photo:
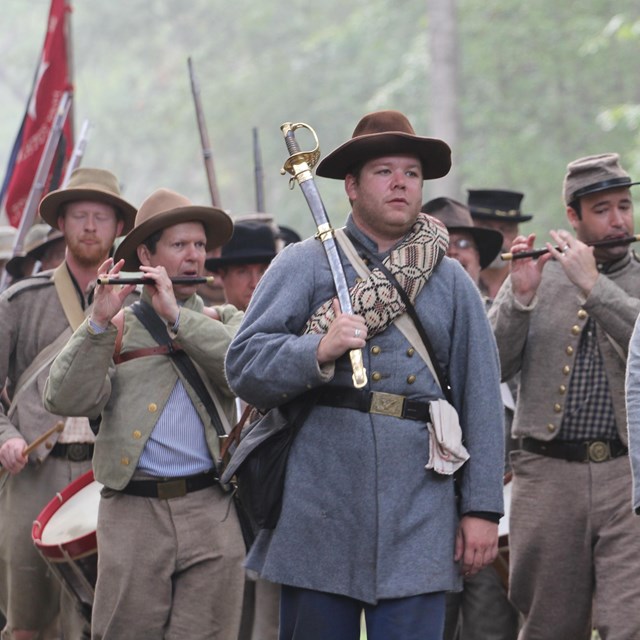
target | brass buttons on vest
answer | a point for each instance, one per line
(566, 370)
(562, 389)
(582, 314)
(557, 408)
(575, 330)
(137, 435)
(551, 428)
(375, 350)
(411, 379)
(376, 376)
(569, 350)
(410, 351)
(153, 407)
(124, 461)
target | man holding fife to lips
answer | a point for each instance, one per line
(169, 544)
(564, 322)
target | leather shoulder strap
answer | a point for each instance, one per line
(68, 296)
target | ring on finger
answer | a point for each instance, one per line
(356, 333)
(565, 248)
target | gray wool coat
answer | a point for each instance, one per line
(361, 516)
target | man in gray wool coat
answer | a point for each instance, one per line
(370, 519)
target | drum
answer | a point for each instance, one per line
(65, 535)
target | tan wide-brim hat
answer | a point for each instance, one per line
(164, 208)
(384, 133)
(96, 185)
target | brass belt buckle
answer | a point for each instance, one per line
(387, 404)
(172, 489)
(599, 451)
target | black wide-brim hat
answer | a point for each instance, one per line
(385, 133)
(251, 243)
(496, 204)
(456, 217)
(164, 208)
(96, 185)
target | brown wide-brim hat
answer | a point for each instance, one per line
(96, 185)
(456, 217)
(386, 133)
(164, 208)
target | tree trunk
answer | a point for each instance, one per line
(444, 117)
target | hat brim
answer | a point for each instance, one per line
(605, 185)
(434, 154)
(49, 208)
(488, 241)
(214, 264)
(218, 228)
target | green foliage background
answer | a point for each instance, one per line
(542, 83)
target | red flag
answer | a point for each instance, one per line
(52, 79)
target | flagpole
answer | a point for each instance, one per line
(69, 46)
(35, 194)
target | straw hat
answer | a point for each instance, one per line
(164, 208)
(96, 185)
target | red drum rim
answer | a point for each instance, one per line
(76, 547)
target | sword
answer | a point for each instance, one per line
(299, 165)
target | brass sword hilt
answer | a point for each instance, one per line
(299, 163)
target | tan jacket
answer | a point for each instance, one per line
(31, 318)
(541, 341)
(131, 397)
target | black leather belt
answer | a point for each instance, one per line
(74, 451)
(386, 404)
(579, 451)
(170, 487)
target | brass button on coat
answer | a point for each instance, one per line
(569, 350)
(566, 370)
(410, 351)
(375, 350)
(153, 407)
(582, 314)
(557, 408)
(48, 445)
(562, 389)
(575, 330)
(137, 434)
(376, 376)
(551, 428)
(411, 379)
(124, 461)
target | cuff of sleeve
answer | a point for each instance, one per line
(485, 515)
(95, 329)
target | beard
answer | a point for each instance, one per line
(88, 255)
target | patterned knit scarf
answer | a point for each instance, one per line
(412, 262)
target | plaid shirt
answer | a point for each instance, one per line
(588, 413)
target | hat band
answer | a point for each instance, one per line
(600, 186)
(511, 213)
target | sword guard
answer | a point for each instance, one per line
(298, 160)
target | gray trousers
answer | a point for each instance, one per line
(575, 549)
(260, 610)
(168, 569)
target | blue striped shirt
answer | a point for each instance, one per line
(177, 445)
